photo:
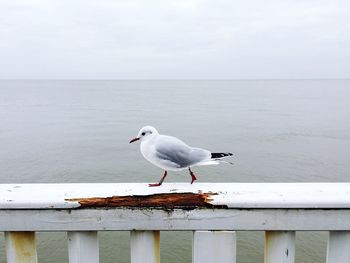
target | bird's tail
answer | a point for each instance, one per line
(219, 156)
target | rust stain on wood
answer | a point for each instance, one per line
(167, 201)
(24, 246)
(156, 246)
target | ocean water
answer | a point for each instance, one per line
(78, 131)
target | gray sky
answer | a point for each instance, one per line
(180, 39)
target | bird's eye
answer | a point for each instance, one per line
(143, 134)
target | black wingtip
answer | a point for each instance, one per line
(220, 155)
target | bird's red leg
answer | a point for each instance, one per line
(192, 176)
(161, 180)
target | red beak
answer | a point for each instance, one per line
(134, 140)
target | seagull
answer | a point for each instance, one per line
(170, 153)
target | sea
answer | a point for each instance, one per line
(78, 131)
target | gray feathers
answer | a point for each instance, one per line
(173, 150)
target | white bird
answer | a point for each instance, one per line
(170, 153)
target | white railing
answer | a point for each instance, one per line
(212, 211)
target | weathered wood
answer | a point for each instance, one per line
(338, 249)
(83, 247)
(279, 247)
(157, 219)
(230, 195)
(145, 246)
(223, 206)
(21, 247)
(214, 246)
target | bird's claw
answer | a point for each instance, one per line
(153, 185)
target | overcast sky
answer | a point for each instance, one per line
(180, 39)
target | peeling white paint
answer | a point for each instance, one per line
(233, 195)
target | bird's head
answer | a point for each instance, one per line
(145, 133)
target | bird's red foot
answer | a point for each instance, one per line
(193, 177)
(161, 180)
(156, 184)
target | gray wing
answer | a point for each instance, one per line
(172, 149)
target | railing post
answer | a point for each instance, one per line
(145, 246)
(279, 247)
(214, 246)
(83, 247)
(21, 247)
(338, 249)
